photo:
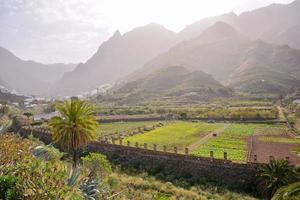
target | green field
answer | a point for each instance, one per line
(180, 134)
(234, 140)
(231, 138)
(123, 127)
(280, 140)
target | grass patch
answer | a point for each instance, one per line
(280, 140)
(143, 186)
(180, 134)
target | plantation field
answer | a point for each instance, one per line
(235, 110)
(233, 140)
(123, 127)
(180, 134)
(241, 102)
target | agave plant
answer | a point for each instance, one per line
(5, 127)
(92, 189)
(47, 152)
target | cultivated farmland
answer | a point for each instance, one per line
(201, 138)
(179, 134)
(234, 140)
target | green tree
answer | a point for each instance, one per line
(275, 175)
(74, 129)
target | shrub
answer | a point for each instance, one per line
(38, 179)
(8, 187)
(96, 165)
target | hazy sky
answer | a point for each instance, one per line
(51, 31)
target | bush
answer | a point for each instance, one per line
(96, 165)
(38, 179)
(8, 189)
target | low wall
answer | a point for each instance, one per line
(42, 134)
(187, 167)
(142, 119)
(191, 168)
(252, 121)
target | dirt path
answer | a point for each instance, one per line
(283, 117)
(204, 139)
(281, 114)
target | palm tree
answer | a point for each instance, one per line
(74, 128)
(275, 175)
(290, 192)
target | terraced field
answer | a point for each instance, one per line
(180, 134)
(234, 140)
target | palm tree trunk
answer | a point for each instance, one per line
(75, 159)
(74, 175)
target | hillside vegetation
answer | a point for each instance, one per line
(172, 82)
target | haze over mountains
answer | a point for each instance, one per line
(273, 23)
(117, 57)
(248, 52)
(29, 77)
(248, 65)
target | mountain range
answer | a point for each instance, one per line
(276, 23)
(251, 28)
(248, 65)
(29, 77)
(117, 57)
(256, 52)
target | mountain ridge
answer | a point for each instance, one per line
(223, 59)
(118, 56)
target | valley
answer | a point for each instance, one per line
(210, 110)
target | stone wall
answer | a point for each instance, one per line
(180, 166)
(190, 168)
(42, 134)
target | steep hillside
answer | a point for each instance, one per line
(28, 76)
(117, 57)
(290, 37)
(171, 82)
(267, 23)
(259, 78)
(217, 51)
(123, 54)
(226, 54)
(6, 96)
(3, 84)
